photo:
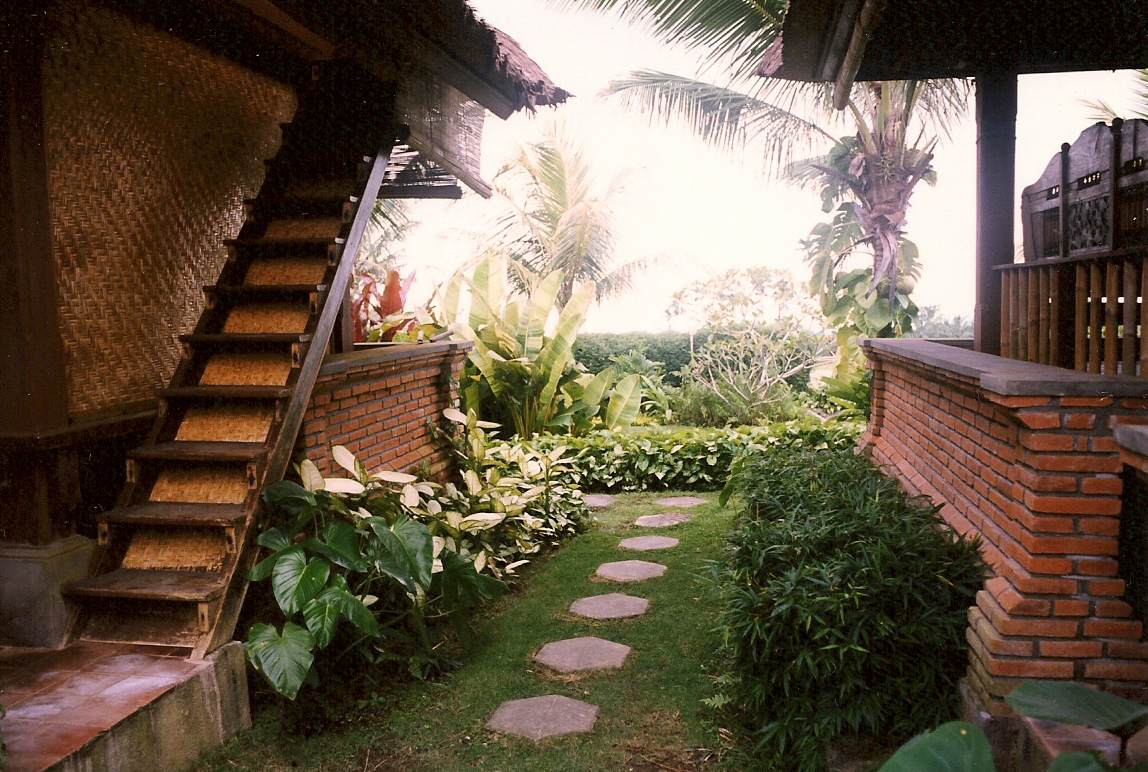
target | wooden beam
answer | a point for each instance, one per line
(851, 60)
(996, 188)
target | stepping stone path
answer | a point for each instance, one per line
(646, 543)
(615, 605)
(540, 717)
(663, 520)
(585, 653)
(630, 570)
(680, 501)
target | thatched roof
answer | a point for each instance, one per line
(884, 40)
(444, 37)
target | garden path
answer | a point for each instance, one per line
(553, 715)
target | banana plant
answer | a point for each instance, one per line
(521, 370)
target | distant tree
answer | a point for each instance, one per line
(931, 323)
(556, 221)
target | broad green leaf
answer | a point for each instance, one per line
(532, 325)
(554, 377)
(1073, 703)
(340, 545)
(284, 660)
(455, 415)
(352, 609)
(625, 401)
(404, 551)
(561, 343)
(289, 497)
(295, 580)
(274, 539)
(953, 747)
(322, 618)
(461, 586)
(596, 387)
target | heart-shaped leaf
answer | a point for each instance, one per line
(284, 660)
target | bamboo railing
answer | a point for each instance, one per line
(1085, 313)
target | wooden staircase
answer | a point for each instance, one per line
(174, 553)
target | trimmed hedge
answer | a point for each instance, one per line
(686, 458)
(844, 605)
(672, 349)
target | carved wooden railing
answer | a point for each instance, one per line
(1078, 299)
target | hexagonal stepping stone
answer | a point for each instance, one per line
(614, 605)
(630, 570)
(598, 500)
(680, 501)
(646, 543)
(662, 520)
(584, 653)
(541, 717)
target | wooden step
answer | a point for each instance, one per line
(258, 292)
(218, 452)
(226, 392)
(245, 338)
(141, 584)
(184, 514)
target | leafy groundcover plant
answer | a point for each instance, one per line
(687, 458)
(362, 567)
(844, 605)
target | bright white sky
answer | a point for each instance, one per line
(697, 211)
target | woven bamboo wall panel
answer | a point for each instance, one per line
(152, 144)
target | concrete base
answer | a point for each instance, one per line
(32, 609)
(171, 731)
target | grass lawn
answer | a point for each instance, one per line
(651, 716)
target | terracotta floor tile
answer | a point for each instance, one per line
(121, 663)
(39, 707)
(18, 656)
(137, 690)
(172, 667)
(88, 683)
(95, 715)
(29, 681)
(77, 656)
(157, 651)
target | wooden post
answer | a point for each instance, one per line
(996, 164)
(43, 487)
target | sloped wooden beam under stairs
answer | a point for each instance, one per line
(173, 555)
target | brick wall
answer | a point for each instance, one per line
(380, 403)
(1024, 456)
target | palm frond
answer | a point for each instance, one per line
(733, 33)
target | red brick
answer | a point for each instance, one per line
(1046, 585)
(1048, 483)
(1113, 587)
(1085, 401)
(1110, 484)
(1096, 567)
(1113, 628)
(993, 641)
(1044, 565)
(1070, 608)
(1115, 670)
(1040, 420)
(1113, 609)
(1047, 441)
(1127, 649)
(1017, 402)
(1103, 445)
(1100, 526)
(1081, 649)
(1079, 421)
(1073, 505)
(1069, 545)
(1030, 668)
(1074, 463)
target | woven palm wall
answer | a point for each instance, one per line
(152, 146)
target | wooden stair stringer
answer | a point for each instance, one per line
(283, 446)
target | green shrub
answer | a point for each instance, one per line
(844, 605)
(594, 350)
(684, 458)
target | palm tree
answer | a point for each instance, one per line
(876, 168)
(554, 221)
(1102, 111)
